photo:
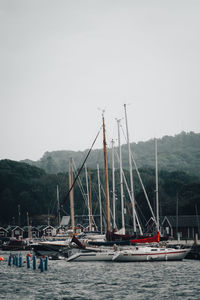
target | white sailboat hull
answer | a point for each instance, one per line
(150, 254)
(137, 254)
(91, 256)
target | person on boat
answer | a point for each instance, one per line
(115, 247)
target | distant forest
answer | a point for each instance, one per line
(27, 188)
(175, 153)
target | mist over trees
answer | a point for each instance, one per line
(178, 153)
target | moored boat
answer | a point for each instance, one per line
(53, 249)
(143, 253)
(13, 244)
(100, 255)
(131, 254)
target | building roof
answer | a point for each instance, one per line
(183, 221)
(2, 228)
(43, 227)
(11, 228)
(31, 227)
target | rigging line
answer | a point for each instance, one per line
(52, 205)
(95, 208)
(66, 197)
(104, 194)
(130, 196)
(103, 208)
(80, 184)
(140, 179)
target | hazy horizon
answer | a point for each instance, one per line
(63, 62)
(109, 146)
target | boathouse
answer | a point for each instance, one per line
(151, 226)
(3, 232)
(47, 230)
(15, 231)
(185, 226)
(34, 232)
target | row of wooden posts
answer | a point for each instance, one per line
(17, 261)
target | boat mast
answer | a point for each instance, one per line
(121, 177)
(177, 215)
(113, 186)
(100, 205)
(58, 204)
(90, 196)
(19, 214)
(156, 174)
(106, 177)
(71, 194)
(131, 173)
(29, 227)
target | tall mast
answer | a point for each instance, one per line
(177, 215)
(90, 186)
(156, 174)
(58, 204)
(106, 177)
(29, 227)
(19, 214)
(100, 205)
(71, 194)
(113, 182)
(88, 196)
(131, 172)
(121, 177)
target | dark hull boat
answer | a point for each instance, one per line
(15, 245)
(52, 249)
(112, 236)
(194, 253)
(123, 240)
(110, 243)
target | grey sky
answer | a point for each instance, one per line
(61, 60)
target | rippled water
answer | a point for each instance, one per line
(101, 280)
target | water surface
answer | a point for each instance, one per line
(101, 280)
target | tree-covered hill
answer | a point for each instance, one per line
(24, 188)
(175, 153)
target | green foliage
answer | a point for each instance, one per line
(178, 153)
(34, 189)
(25, 186)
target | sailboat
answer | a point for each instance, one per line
(92, 255)
(58, 247)
(121, 236)
(145, 253)
(132, 253)
(136, 253)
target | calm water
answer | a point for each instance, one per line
(102, 280)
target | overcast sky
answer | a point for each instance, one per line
(62, 60)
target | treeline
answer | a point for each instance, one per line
(24, 188)
(178, 153)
